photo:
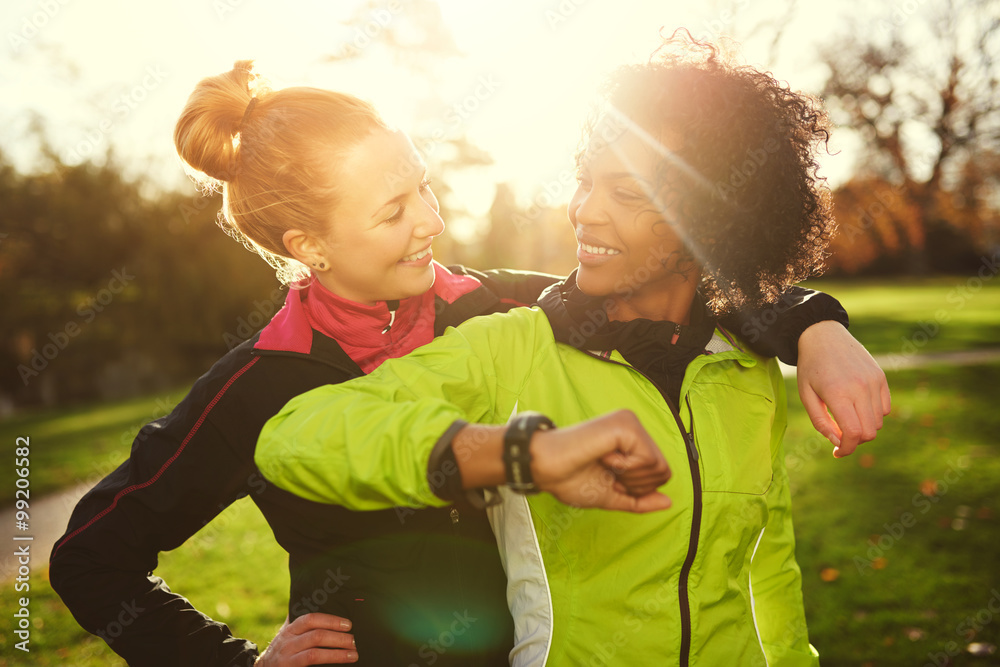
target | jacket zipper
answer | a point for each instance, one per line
(692, 456)
(693, 543)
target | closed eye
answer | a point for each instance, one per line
(628, 196)
(397, 215)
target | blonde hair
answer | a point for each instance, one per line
(272, 153)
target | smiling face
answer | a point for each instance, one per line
(627, 247)
(378, 247)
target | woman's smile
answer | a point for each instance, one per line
(419, 258)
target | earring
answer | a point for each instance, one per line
(322, 265)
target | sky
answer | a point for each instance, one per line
(110, 73)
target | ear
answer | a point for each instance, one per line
(304, 248)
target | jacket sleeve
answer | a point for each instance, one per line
(775, 578)
(366, 444)
(182, 471)
(774, 330)
(514, 288)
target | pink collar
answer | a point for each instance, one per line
(359, 328)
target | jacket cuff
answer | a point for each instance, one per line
(774, 331)
(445, 477)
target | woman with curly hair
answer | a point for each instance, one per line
(697, 194)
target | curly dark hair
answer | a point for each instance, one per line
(753, 212)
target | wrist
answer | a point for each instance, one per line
(478, 452)
(814, 334)
(518, 456)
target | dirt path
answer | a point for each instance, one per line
(48, 516)
(899, 362)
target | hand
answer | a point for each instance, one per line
(836, 372)
(609, 462)
(313, 639)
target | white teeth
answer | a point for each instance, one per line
(419, 255)
(599, 250)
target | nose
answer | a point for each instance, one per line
(429, 223)
(584, 207)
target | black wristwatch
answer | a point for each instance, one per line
(517, 451)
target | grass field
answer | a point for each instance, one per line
(80, 445)
(899, 544)
(913, 316)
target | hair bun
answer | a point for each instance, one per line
(211, 118)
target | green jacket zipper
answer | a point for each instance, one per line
(692, 456)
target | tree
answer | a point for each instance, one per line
(113, 292)
(920, 87)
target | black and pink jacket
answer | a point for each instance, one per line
(421, 587)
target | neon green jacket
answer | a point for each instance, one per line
(711, 581)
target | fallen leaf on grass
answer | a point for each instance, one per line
(866, 460)
(981, 648)
(914, 634)
(829, 574)
(929, 487)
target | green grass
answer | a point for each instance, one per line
(912, 561)
(911, 316)
(80, 445)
